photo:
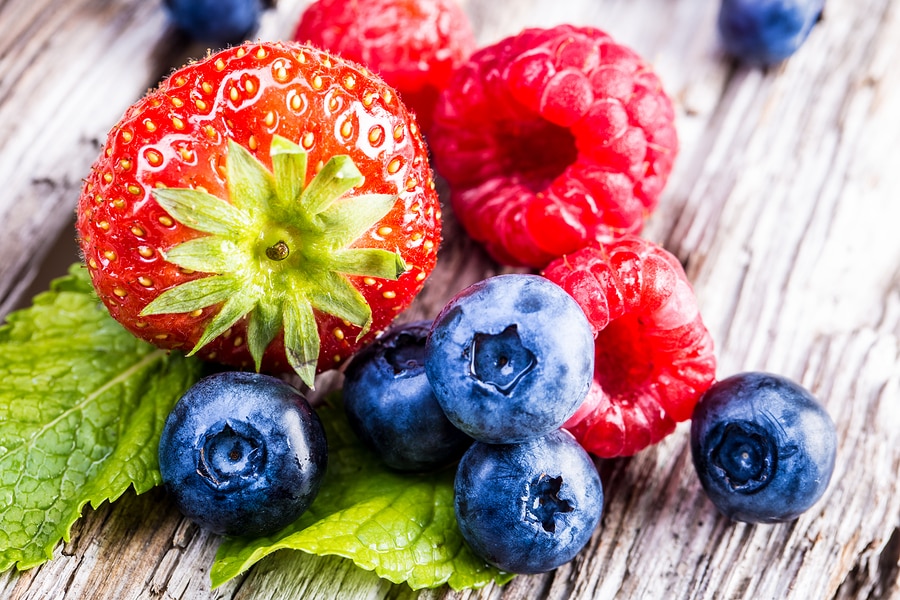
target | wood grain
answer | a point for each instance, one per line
(782, 207)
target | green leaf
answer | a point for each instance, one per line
(208, 254)
(289, 168)
(250, 184)
(81, 408)
(264, 324)
(349, 218)
(238, 305)
(193, 295)
(201, 211)
(342, 300)
(301, 339)
(337, 177)
(399, 525)
(373, 262)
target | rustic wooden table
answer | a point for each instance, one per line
(782, 208)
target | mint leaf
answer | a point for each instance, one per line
(82, 403)
(401, 526)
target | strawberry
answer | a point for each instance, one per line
(552, 139)
(413, 44)
(653, 354)
(269, 206)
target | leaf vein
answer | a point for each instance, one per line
(122, 377)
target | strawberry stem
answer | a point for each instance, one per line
(278, 250)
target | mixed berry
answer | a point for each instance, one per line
(507, 360)
(552, 140)
(219, 22)
(272, 208)
(242, 454)
(763, 447)
(530, 507)
(653, 354)
(510, 358)
(415, 45)
(392, 408)
(767, 31)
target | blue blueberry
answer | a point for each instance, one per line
(391, 407)
(510, 358)
(216, 21)
(763, 447)
(766, 31)
(242, 454)
(530, 507)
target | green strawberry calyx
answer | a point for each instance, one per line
(277, 251)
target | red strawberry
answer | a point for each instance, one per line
(553, 139)
(413, 44)
(269, 205)
(654, 356)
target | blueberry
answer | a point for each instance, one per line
(530, 507)
(510, 358)
(216, 21)
(766, 31)
(763, 447)
(391, 407)
(242, 454)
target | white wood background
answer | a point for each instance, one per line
(783, 206)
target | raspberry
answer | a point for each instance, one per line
(653, 354)
(413, 44)
(553, 139)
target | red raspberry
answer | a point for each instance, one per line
(654, 356)
(553, 139)
(413, 44)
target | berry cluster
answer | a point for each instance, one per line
(504, 364)
(272, 206)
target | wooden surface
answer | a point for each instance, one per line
(783, 207)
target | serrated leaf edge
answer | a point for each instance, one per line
(73, 515)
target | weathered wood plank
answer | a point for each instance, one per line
(68, 70)
(781, 207)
